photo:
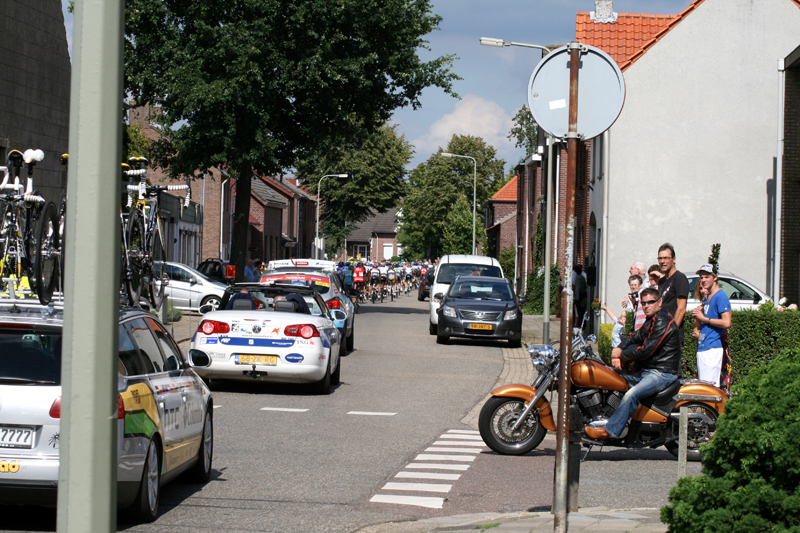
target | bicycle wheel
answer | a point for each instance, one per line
(62, 232)
(157, 268)
(47, 255)
(135, 271)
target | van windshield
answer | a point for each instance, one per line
(449, 271)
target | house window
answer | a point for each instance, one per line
(360, 249)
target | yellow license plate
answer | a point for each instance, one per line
(243, 359)
(479, 326)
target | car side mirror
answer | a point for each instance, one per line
(193, 281)
(206, 309)
(523, 300)
(756, 298)
(338, 314)
(438, 296)
(198, 358)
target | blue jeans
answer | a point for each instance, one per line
(648, 381)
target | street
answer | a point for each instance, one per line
(287, 460)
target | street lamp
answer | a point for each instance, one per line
(319, 193)
(474, 190)
(500, 43)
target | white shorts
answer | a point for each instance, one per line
(709, 365)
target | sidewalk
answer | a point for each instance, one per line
(593, 520)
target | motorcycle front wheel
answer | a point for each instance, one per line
(699, 431)
(496, 421)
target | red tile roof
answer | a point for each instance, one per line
(507, 191)
(627, 39)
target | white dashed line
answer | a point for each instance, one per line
(464, 431)
(436, 466)
(284, 409)
(431, 503)
(462, 437)
(370, 413)
(429, 457)
(456, 443)
(427, 475)
(418, 487)
(217, 406)
(455, 450)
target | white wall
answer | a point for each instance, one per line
(693, 149)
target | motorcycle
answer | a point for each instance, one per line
(516, 418)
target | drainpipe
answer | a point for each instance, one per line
(558, 194)
(548, 241)
(604, 244)
(527, 230)
(221, 214)
(776, 265)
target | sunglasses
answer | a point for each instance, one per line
(649, 302)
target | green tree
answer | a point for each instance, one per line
(256, 85)
(134, 143)
(525, 130)
(435, 187)
(457, 238)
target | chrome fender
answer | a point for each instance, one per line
(526, 394)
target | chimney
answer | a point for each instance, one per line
(604, 11)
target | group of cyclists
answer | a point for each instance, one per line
(377, 279)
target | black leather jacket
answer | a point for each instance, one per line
(655, 345)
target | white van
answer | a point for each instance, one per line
(451, 266)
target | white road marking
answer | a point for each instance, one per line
(428, 457)
(427, 475)
(462, 437)
(431, 503)
(464, 431)
(284, 409)
(456, 443)
(217, 406)
(418, 487)
(436, 466)
(370, 413)
(455, 450)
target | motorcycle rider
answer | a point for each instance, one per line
(657, 347)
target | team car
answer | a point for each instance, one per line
(272, 332)
(164, 410)
(324, 278)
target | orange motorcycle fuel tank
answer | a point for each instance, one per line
(526, 394)
(589, 374)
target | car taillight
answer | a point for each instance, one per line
(209, 327)
(230, 271)
(55, 409)
(120, 408)
(334, 304)
(301, 330)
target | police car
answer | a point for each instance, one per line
(324, 278)
(273, 332)
(164, 410)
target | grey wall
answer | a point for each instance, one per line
(693, 149)
(34, 86)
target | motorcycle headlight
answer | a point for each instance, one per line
(510, 315)
(448, 311)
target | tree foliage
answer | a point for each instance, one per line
(751, 466)
(525, 130)
(457, 238)
(134, 142)
(435, 187)
(256, 85)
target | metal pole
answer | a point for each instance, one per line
(683, 440)
(87, 475)
(777, 240)
(548, 242)
(474, 199)
(560, 498)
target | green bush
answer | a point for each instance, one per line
(172, 314)
(507, 258)
(604, 342)
(535, 294)
(751, 466)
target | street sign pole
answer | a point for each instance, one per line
(87, 474)
(561, 484)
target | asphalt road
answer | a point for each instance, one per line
(333, 463)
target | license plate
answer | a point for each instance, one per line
(243, 359)
(479, 326)
(16, 437)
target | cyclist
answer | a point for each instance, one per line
(374, 279)
(391, 277)
(407, 274)
(358, 279)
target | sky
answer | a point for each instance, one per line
(495, 80)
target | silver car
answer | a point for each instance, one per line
(742, 294)
(189, 289)
(156, 389)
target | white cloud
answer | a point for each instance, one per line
(472, 115)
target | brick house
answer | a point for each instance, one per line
(298, 220)
(266, 217)
(375, 238)
(500, 217)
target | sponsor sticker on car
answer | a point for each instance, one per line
(294, 358)
(303, 279)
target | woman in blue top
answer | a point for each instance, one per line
(713, 318)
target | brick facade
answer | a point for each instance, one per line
(790, 216)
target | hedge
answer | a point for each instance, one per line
(755, 337)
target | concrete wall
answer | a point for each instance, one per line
(34, 87)
(692, 152)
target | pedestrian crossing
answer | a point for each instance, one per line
(451, 452)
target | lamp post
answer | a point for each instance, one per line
(474, 190)
(319, 193)
(500, 43)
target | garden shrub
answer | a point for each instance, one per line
(535, 294)
(604, 342)
(751, 466)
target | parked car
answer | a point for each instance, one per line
(252, 337)
(480, 307)
(451, 266)
(190, 289)
(742, 294)
(155, 384)
(324, 278)
(216, 269)
(425, 283)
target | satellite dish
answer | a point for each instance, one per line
(601, 92)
